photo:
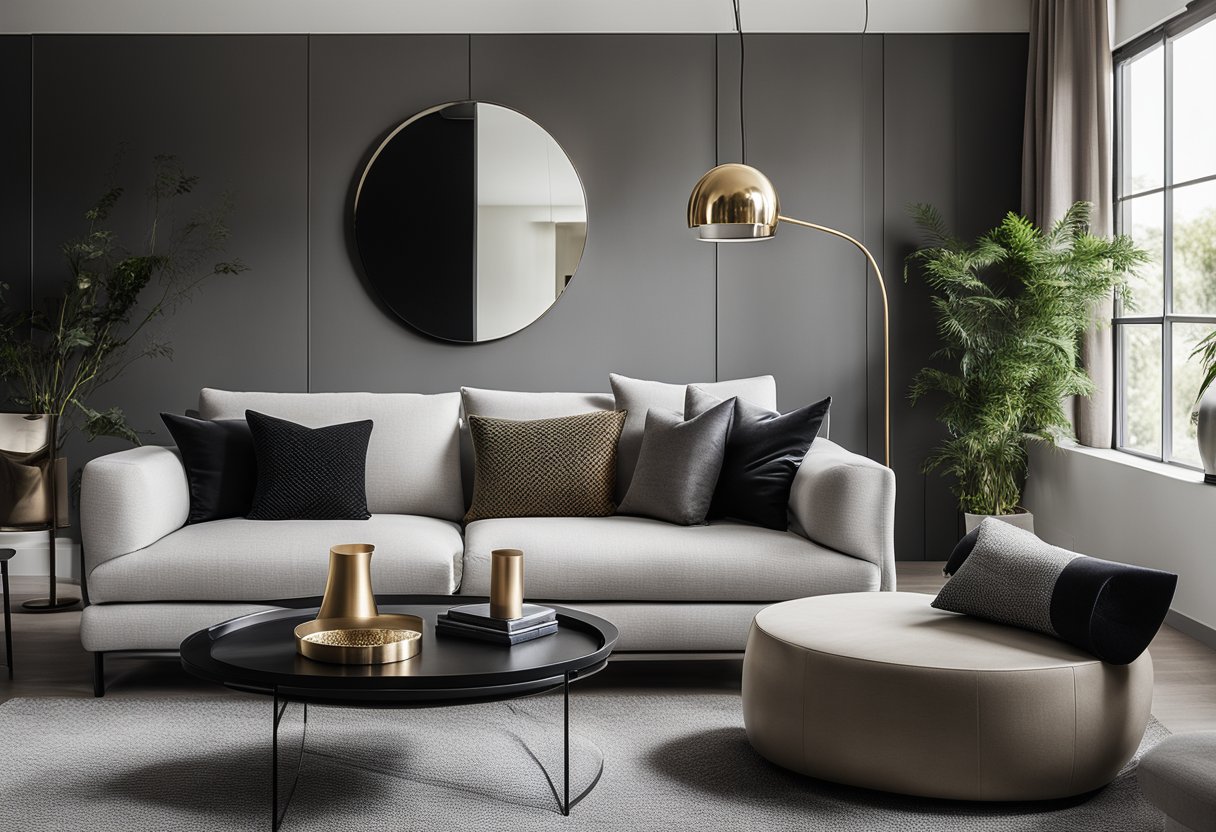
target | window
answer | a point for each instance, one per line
(1165, 198)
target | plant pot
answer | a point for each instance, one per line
(25, 460)
(1021, 518)
(1206, 433)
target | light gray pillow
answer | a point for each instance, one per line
(636, 396)
(678, 465)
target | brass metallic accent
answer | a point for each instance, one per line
(738, 203)
(348, 591)
(734, 203)
(506, 583)
(380, 640)
(348, 628)
(26, 490)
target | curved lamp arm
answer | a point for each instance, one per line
(886, 334)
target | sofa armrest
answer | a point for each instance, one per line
(846, 502)
(129, 500)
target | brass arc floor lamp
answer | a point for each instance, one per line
(736, 203)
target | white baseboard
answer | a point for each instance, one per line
(32, 558)
(1190, 627)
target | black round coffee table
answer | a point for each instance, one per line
(257, 654)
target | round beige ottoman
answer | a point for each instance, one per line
(880, 690)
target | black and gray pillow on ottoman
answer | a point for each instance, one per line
(1008, 575)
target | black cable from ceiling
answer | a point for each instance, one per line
(742, 120)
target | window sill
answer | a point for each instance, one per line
(1175, 472)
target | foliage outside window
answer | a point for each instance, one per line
(1165, 199)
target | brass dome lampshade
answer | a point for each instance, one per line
(736, 203)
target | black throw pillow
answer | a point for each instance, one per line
(221, 467)
(763, 452)
(309, 473)
(1008, 575)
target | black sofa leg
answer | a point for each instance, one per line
(99, 674)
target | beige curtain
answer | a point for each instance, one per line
(1066, 156)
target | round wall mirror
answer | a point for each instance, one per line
(470, 221)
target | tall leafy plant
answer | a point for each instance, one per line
(1010, 310)
(55, 358)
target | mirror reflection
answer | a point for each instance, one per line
(470, 221)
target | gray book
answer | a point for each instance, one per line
(447, 626)
(479, 614)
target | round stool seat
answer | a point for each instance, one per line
(880, 690)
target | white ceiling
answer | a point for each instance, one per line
(508, 16)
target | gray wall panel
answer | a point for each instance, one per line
(795, 306)
(953, 138)
(639, 131)
(15, 168)
(233, 109)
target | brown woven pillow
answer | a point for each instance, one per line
(545, 467)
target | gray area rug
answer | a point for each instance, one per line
(672, 761)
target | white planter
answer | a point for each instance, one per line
(1206, 432)
(1023, 519)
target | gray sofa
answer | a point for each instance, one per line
(152, 579)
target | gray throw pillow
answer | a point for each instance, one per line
(1008, 575)
(678, 465)
(636, 396)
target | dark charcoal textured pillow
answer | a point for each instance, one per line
(563, 467)
(309, 473)
(678, 465)
(221, 466)
(1111, 610)
(763, 452)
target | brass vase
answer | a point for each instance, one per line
(348, 590)
(506, 583)
(349, 628)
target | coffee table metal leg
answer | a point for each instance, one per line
(565, 802)
(280, 710)
(8, 620)
(566, 762)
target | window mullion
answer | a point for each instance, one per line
(1167, 264)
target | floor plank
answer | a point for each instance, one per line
(50, 662)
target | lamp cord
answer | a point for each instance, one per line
(742, 57)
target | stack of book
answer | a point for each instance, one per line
(475, 621)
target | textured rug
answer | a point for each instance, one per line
(677, 761)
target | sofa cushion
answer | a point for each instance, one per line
(221, 465)
(413, 458)
(522, 406)
(635, 396)
(637, 559)
(309, 473)
(678, 465)
(248, 560)
(763, 454)
(564, 467)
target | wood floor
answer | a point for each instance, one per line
(49, 661)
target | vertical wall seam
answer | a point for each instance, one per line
(308, 213)
(29, 124)
(865, 225)
(717, 161)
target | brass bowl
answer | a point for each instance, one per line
(379, 640)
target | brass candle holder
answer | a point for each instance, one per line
(349, 628)
(507, 583)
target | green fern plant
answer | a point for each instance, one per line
(1010, 311)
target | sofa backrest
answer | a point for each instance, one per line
(413, 458)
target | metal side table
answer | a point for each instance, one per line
(5, 555)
